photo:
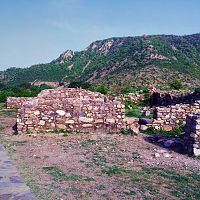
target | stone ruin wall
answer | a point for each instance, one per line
(51, 84)
(192, 135)
(169, 118)
(16, 102)
(71, 109)
(159, 98)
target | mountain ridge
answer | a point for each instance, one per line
(139, 60)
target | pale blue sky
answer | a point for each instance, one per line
(37, 31)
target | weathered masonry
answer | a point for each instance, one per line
(70, 109)
(170, 117)
(192, 135)
(16, 102)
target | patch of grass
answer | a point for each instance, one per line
(152, 181)
(66, 132)
(59, 175)
(101, 187)
(136, 156)
(88, 143)
(70, 190)
(183, 186)
(132, 110)
(99, 160)
(2, 106)
(19, 143)
(8, 113)
(127, 131)
(173, 133)
(130, 193)
(114, 170)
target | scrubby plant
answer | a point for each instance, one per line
(127, 131)
(197, 90)
(79, 84)
(127, 89)
(102, 89)
(176, 84)
(173, 133)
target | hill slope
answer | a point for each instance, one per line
(144, 60)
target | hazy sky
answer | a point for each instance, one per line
(37, 31)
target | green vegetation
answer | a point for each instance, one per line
(176, 85)
(65, 132)
(197, 90)
(24, 90)
(127, 56)
(132, 110)
(8, 113)
(151, 181)
(59, 175)
(127, 131)
(79, 84)
(173, 133)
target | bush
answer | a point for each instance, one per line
(3, 97)
(177, 132)
(21, 91)
(102, 89)
(132, 110)
(127, 131)
(197, 90)
(79, 84)
(176, 84)
(127, 89)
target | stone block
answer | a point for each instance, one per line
(41, 123)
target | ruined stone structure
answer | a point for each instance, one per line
(192, 135)
(16, 102)
(159, 98)
(51, 84)
(169, 118)
(71, 109)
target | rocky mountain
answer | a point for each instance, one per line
(144, 60)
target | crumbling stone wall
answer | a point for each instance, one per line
(169, 118)
(71, 109)
(51, 84)
(192, 135)
(173, 98)
(16, 102)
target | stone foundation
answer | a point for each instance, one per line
(192, 135)
(170, 117)
(71, 109)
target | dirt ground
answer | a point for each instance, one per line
(100, 166)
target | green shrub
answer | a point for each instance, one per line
(176, 84)
(177, 132)
(197, 90)
(127, 89)
(79, 84)
(102, 89)
(127, 131)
